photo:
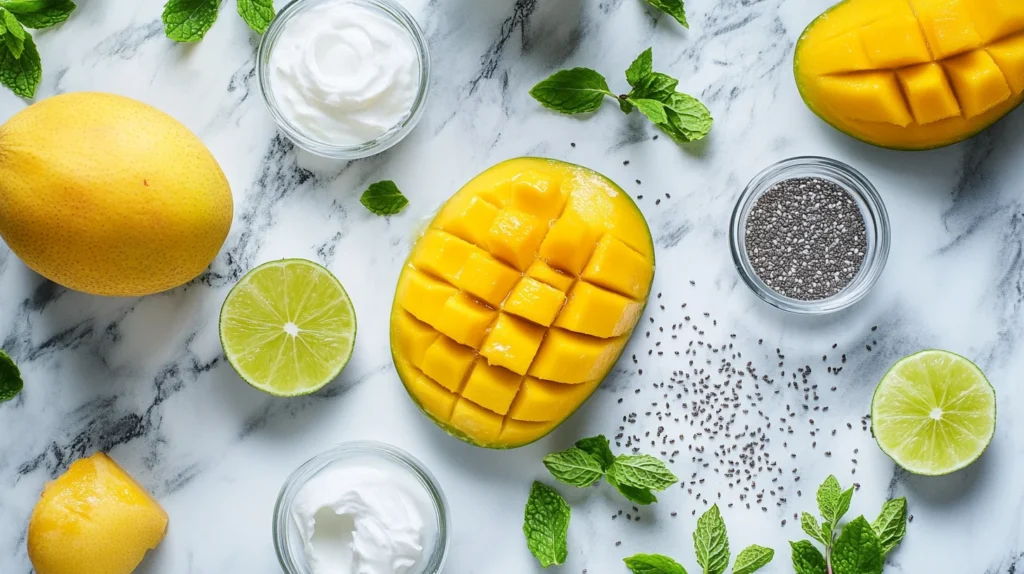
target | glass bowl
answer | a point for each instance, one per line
(876, 224)
(388, 8)
(287, 540)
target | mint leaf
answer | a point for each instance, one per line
(40, 13)
(189, 20)
(655, 86)
(811, 527)
(21, 75)
(574, 467)
(641, 67)
(653, 109)
(673, 8)
(14, 39)
(10, 378)
(641, 496)
(711, 542)
(688, 119)
(575, 91)
(807, 559)
(599, 448)
(843, 506)
(857, 550)
(256, 13)
(641, 471)
(383, 198)
(546, 525)
(891, 524)
(828, 498)
(653, 564)
(752, 559)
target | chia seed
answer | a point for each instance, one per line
(806, 238)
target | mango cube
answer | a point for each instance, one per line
(538, 195)
(492, 387)
(597, 312)
(523, 432)
(514, 237)
(997, 19)
(432, 397)
(465, 320)
(487, 278)
(413, 337)
(840, 54)
(929, 93)
(447, 362)
(499, 194)
(423, 296)
(895, 42)
(548, 275)
(441, 254)
(948, 26)
(535, 301)
(512, 343)
(572, 358)
(540, 401)
(868, 97)
(1009, 56)
(473, 221)
(479, 424)
(569, 244)
(978, 82)
(617, 267)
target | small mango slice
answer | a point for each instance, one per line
(518, 300)
(913, 74)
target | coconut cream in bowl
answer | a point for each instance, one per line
(344, 78)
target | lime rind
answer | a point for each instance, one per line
(934, 413)
(288, 327)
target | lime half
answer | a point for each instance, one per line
(288, 327)
(934, 413)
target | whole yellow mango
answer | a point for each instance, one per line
(107, 195)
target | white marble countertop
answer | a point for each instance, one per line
(146, 381)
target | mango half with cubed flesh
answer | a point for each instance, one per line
(913, 74)
(519, 298)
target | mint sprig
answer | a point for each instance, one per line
(860, 547)
(190, 20)
(39, 14)
(634, 476)
(582, 90)
(711, 543)
(383, 198)
(546, 525)
(673, 8)
(10, 378)
(21, 68)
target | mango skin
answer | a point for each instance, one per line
(492, 374)
(107, 195)
(953, 68)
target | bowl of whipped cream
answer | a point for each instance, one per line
(361, 508)
(344, 79)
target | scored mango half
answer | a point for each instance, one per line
(518, 299)
(913, 74)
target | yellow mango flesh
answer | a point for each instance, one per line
(913, 74)
(519, 298)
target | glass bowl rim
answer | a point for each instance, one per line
(876, 222)
(397, 13)
(311, 467)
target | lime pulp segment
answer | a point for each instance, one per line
(934, 413)
(288, 327)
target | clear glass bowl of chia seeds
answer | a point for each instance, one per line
(871, 246)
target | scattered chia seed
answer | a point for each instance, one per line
(806, 238)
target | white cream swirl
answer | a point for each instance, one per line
(343, 73)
